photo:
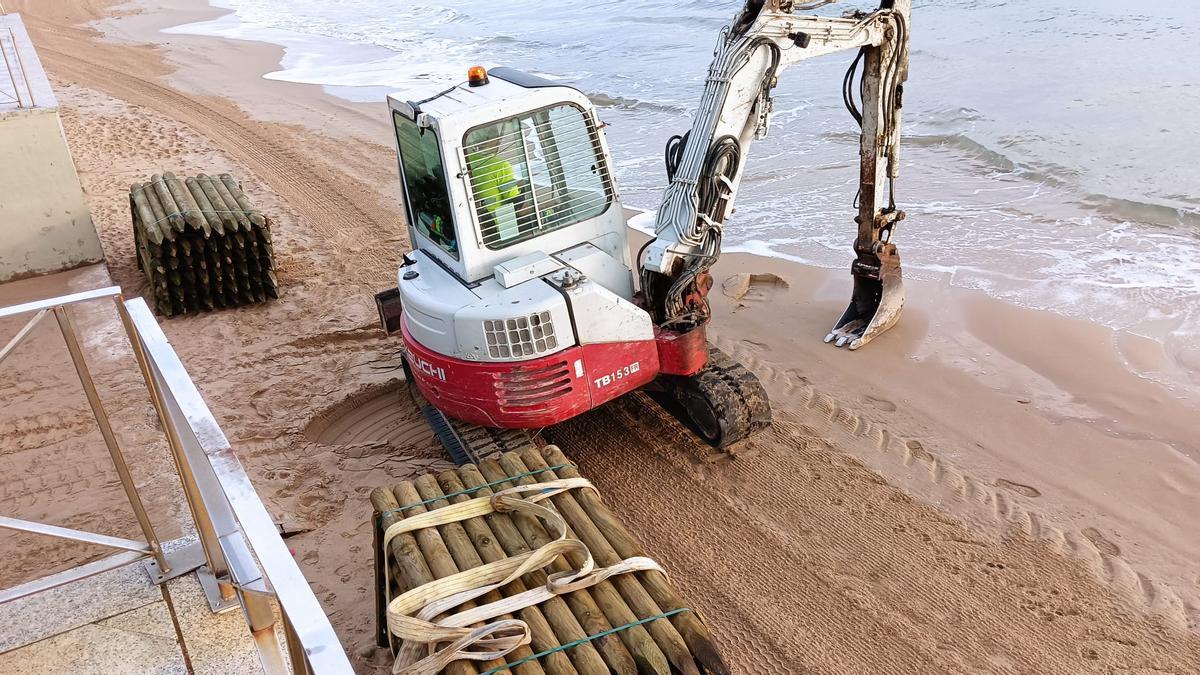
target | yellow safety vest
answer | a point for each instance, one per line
(494, 180)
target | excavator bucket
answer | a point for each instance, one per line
(875, 305)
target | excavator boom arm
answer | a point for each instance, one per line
(705, 165)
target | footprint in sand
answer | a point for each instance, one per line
(752, 288)
(797, 376)
(883, 404)
(917, 450)
(1019, 488)
(1102, 543)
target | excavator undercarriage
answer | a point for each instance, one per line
(723, 404)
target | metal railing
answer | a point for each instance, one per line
(239, 557)
(133, 550)
(14, 67)
(236, 527)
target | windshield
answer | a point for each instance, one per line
(535, 173)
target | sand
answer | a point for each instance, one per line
(984, 489)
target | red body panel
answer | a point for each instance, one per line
(681, 353)
(616, 368)
(535, 393)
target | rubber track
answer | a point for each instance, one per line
(484, 442)
(460, 453)
(745, 385)
(735, 394)
(468, 443)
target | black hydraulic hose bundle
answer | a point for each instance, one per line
(892, 92)
(848, 87)
(722, 163)
(674, 153)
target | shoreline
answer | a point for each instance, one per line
(1073, 385)
(988, 411)
(234, 72)
(1097, 298)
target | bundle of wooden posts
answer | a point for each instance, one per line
(201, 243)
(528, 613)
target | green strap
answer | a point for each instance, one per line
(576, 643)
(468, 491)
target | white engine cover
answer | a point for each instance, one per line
(526, 321)
(599, 266)
(431, 297)
(601, 315)
(472, 323)
(488, 322)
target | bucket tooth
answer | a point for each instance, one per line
(875, 305)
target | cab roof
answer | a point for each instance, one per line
(504, 84)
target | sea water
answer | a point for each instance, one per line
(1050, 152)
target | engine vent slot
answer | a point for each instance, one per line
(523, 388)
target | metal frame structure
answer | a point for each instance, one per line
(240, 558)
(180, 561)
(239, 535)
(14, 67)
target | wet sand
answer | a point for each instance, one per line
(984, 489)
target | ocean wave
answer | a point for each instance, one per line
(604, 100)
(1116, 208)
(1162, 215)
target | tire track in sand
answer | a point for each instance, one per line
(804, 559)
(1006, 504)
(377, 415)
(334, 205)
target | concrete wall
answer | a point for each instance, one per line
(44, 223)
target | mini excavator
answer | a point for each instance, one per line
(521, 305)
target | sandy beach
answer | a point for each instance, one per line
(986, 488)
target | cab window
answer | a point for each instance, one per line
(536, 173)
(425, 184)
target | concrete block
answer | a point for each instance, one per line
(45, 225)
(142, 640)
(61, 609)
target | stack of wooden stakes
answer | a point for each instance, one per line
(201, 243)
(621, 610)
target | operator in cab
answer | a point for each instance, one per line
(495, 182)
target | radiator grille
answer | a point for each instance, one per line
(523, 336)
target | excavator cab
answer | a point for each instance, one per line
(502, 167)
